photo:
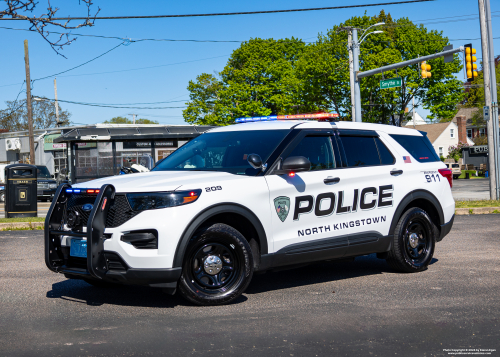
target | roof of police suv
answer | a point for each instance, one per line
(311, 124)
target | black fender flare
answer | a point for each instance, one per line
(412, 196)
(210, 212)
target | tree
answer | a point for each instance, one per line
(123, 120)
(16, 8)
(15, 117)
(401, 40)
(474, 92)
(265, 77)
(259, 79)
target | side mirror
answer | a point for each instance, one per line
(295, 164)
(52, 176)
(255, 161)
(64, 171)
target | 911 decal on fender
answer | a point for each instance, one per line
(282, 207)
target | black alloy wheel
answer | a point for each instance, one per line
(218, 266)
(414, 241)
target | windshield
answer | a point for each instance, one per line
(42, 172)
(224, 151)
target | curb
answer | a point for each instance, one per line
(28, 225)
(476, 210)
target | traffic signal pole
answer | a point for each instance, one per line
(490, 124)
(357, 91)
(494, 96)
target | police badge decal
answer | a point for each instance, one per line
(282, 206)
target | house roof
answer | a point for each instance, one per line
(433, 130)
(467, 112)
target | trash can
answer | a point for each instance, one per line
(20, 191)
(467, 175)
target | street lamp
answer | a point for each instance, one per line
(355, 50)
(38, 99)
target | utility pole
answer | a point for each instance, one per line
(28, 103)
(57, 106)
(487, 98)
(357, 91)
(133, 116)
(351, 72)
(494, 96)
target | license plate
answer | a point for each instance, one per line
(78, 248)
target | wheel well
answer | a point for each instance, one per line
(242, 225)
(428, 207)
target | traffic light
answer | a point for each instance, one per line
(470, 66)
(426, 70)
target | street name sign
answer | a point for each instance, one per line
(390, 83)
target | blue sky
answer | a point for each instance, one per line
(175, 63)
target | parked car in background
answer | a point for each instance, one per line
(455, 169)
(46, 185)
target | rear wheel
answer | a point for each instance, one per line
(217, 267)
(414, 242)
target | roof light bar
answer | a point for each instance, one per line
(77, 190)
(288, 117)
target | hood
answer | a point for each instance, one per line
(161, 181)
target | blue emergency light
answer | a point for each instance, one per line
(314, 116)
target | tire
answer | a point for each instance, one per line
(410, 254)
(44, 200)
(217, 266)
(2, 196)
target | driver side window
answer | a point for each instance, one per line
(318, 150)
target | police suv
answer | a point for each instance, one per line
(252, 197)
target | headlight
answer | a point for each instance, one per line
(52, 185)
(153, 200)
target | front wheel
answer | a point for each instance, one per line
(414, 242)
(217, 267)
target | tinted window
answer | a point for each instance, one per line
(223, 151)
(42, 172)
(318, 150)
(386, 157)
(360, 151)
(418, 146)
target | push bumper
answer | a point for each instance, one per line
(446, 228)
(99, 264)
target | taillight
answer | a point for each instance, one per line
(448, 174)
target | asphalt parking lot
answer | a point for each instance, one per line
(472, 189)
(358, 308)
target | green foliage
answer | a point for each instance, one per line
(259, 79)
(455, 151)
(264, 77)
(123, 120)
(475, 93)
(15, 116)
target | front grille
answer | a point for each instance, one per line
(119, 211)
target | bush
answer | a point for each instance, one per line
(455, 151)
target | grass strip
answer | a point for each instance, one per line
(480, 203)
(22, 219)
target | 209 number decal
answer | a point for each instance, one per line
(213, 188)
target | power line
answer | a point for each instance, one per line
(80, 65)
(227, 13)
(102, 105)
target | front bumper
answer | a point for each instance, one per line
(445, 229)
(100, 264)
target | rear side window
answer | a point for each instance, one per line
(360, 151)
(418, 146)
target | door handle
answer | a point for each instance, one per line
(331, 180)
(396, 172)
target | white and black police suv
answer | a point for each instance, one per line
(252, 197)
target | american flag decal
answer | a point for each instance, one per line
(407, 159)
